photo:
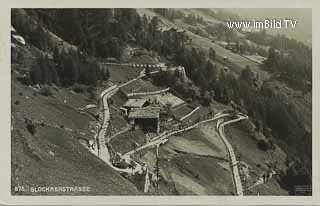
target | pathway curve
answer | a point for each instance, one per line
(159, 139)
(103, 152)
(232, 156)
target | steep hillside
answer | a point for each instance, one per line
(50, 132)
(202, 43)
(53, 147)
(156, 102)
(282, 106)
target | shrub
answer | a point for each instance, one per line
(90, 89)
(46, 91)
(17, 102)
(31, 127)
(79, 88)
(263, 145)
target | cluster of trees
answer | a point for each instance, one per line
(98, 32)
(43, 71)
(173, 14)
(193, 19)
(213, 84)
(249, 48)
(170, 14)
(293, 68)
(296, 175)
(33, 32)
(67, 68)
(279, 41)
(212, 54)
(267, 109)
(106, 32)
(197, 67)
(221, 32)
(288, 57)
(199, 31)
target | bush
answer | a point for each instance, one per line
(91, 89)
(46, 91)
(31, 128)
(79, 88)
(263, 145)
(17, 102)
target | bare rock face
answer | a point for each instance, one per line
(182, 72)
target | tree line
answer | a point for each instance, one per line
(289, 58)
(67, 68)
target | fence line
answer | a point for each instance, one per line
(190, 113)
(148, 93)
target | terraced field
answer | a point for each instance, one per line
(140, 85)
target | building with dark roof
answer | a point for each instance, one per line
(148, 118)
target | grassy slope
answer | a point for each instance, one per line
(121, 74)
(301, 103)
(54, 156)
(247, 151)
(189, 161)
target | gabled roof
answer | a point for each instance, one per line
(144, 113)
(135, 103)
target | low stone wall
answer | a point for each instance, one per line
(190, 113)
(147, 93)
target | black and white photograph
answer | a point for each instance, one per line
(161, 102)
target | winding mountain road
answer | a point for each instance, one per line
(220, 126)
(103, 152)
(162, 137)
(232, 156)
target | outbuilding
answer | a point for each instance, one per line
(148, 118)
